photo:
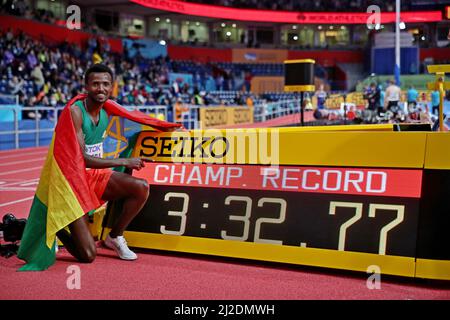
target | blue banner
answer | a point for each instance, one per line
(149, 49)
(7, 112)
(383, 61)
(181, 78)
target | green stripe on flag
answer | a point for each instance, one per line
(33, 248)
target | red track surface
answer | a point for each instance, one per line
(159, 275)
(19, 175)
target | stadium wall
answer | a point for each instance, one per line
(203, 55)
(328, 58)
(53, 33)
(440, 54)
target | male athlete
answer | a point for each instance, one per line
(90, 121)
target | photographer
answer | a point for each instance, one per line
(373, 96)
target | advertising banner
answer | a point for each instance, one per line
(149, 49)
(217, 117)
(222, 12)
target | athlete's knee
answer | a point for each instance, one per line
(88, 255)
(143, 188)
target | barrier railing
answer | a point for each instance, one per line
(52, 115)
(155, 111)
(37, 111)
(189, 119)
(272, 110)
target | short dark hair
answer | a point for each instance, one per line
(98, 68)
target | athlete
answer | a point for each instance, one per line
(90, 121)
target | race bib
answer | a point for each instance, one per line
(94, 150)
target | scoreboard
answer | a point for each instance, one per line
(327, 197)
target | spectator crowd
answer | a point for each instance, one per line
(50, 74)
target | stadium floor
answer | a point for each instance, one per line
(159, 275)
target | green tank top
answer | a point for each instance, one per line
(93, 134)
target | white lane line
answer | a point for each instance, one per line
(43, 152)
(17, 189)
(18, 182)
(22, 170)
(27, 184)
(16, 201)
(19, 162)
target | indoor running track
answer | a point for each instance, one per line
(176, 276)
(19, 176)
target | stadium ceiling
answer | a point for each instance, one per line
(127, 7)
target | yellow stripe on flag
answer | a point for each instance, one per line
(42, 189)
(62, 204)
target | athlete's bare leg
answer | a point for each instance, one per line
(79, 242)
(134, 193)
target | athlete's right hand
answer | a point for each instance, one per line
(135, 163)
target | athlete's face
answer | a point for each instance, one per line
(99, 86)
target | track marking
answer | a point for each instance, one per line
(16, 201)
(19, 184)
(26, 184)
(22, 170)
(17, 189)
(19, 154)
(11, 182)
(19, 162)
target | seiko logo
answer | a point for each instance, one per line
(215, 117)
(184, 147)
(245, 146)
(242, 116)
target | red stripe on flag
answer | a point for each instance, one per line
(68, 154)
(113, 108)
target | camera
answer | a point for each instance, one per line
(12, 229)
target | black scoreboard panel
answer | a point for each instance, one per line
(337, 222)
(434, 222)
(277, 210)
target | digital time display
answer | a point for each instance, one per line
(367, 210)
(350, 223)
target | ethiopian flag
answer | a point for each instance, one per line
(63, 194)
